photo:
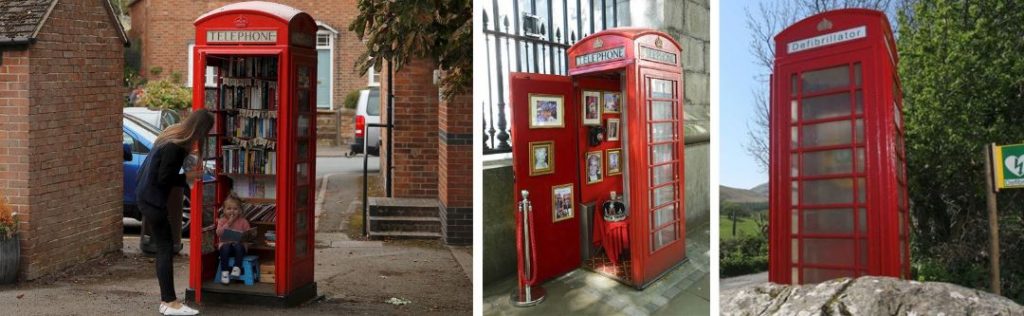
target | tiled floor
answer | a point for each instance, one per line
(684, 291)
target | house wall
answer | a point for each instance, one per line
(455, 169)
(75, 96)
(14, 127)
(163, 29)
(415, 135)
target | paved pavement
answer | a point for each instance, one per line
(743, 280)
(684, 291)
(354, 277)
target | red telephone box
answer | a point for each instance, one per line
(624, 87)
(838, 203)
(262, 147)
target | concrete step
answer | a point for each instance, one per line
(403, 207)
(404, 218)
(406, 234)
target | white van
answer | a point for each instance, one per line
(367, 112)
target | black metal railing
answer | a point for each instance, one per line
(523, 39)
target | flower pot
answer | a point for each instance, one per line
(10, 259)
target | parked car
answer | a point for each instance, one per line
(138, 138)
(158, 119)
(367, 112)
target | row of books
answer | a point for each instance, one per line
(238, 159)
(249, 67)
(251, 127)
(260, 212)
(261, 143)
(248, 94)
(260, 188)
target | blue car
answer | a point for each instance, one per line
(139, 137)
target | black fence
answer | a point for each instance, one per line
(533, 37)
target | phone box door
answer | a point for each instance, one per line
(544, 162)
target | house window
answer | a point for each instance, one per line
(325, 68)
(211, 72)
(374, 77)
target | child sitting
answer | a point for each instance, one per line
(232, 219)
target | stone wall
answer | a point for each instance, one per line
(74, 139)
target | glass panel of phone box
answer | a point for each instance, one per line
(245, 102)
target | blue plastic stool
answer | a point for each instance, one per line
(250, 270)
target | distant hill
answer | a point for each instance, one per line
(736, 195)
(761, 189)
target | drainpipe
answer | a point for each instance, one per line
(390, 126)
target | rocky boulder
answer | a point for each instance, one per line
(865, 296)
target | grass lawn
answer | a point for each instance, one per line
(744, 226)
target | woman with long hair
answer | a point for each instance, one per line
(158, 178)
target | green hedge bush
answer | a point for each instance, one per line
(744, 254)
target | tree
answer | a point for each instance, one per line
(961, 65)
(767, 20)
(400, 31)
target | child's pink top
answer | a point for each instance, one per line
(239, 224)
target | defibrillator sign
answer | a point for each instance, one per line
(1009, 162)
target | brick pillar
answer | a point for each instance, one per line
(455, 174)
(415, 141)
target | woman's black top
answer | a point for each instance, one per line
(160, 173)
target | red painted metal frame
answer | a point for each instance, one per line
(629, 76)
(887, 251)
(290, 272)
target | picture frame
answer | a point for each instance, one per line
(611, 102)
(542, 158)
(547, 111)
(591, 108)
(594, 162)
(612, 130)
(562, 204)
(614, 158)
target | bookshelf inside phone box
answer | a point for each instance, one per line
(262, 148)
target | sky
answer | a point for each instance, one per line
(737, 68)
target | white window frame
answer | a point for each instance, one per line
(373, 77)
(211, 72)
(332, 36)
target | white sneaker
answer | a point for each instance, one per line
(236, 272)
(224, 277)
(182, 310)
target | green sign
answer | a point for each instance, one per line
(1009, 162)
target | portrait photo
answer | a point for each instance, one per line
(612, 102)
(614, 161)
(562, 203)
(547, 111)
(612, 129)
(595, 166)
(591, 107)
(542, 158)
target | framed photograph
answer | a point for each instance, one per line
(612, 129)
(595, 166)
(612, 102)
(562, 207)
(547, 111)
(614, 161)
(592, 108)
(542, 158)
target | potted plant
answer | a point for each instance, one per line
(10, 246)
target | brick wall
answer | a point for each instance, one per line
(415, 144)
(14, 127)
(74, 152)
(455, 171)
(164, 29)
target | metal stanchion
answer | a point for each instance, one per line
(525, 293)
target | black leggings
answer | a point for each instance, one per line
(160, 236)
(228, 250)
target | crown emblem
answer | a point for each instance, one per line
(825, 24)
(241, 22)
(657, 43)
(598, 43)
